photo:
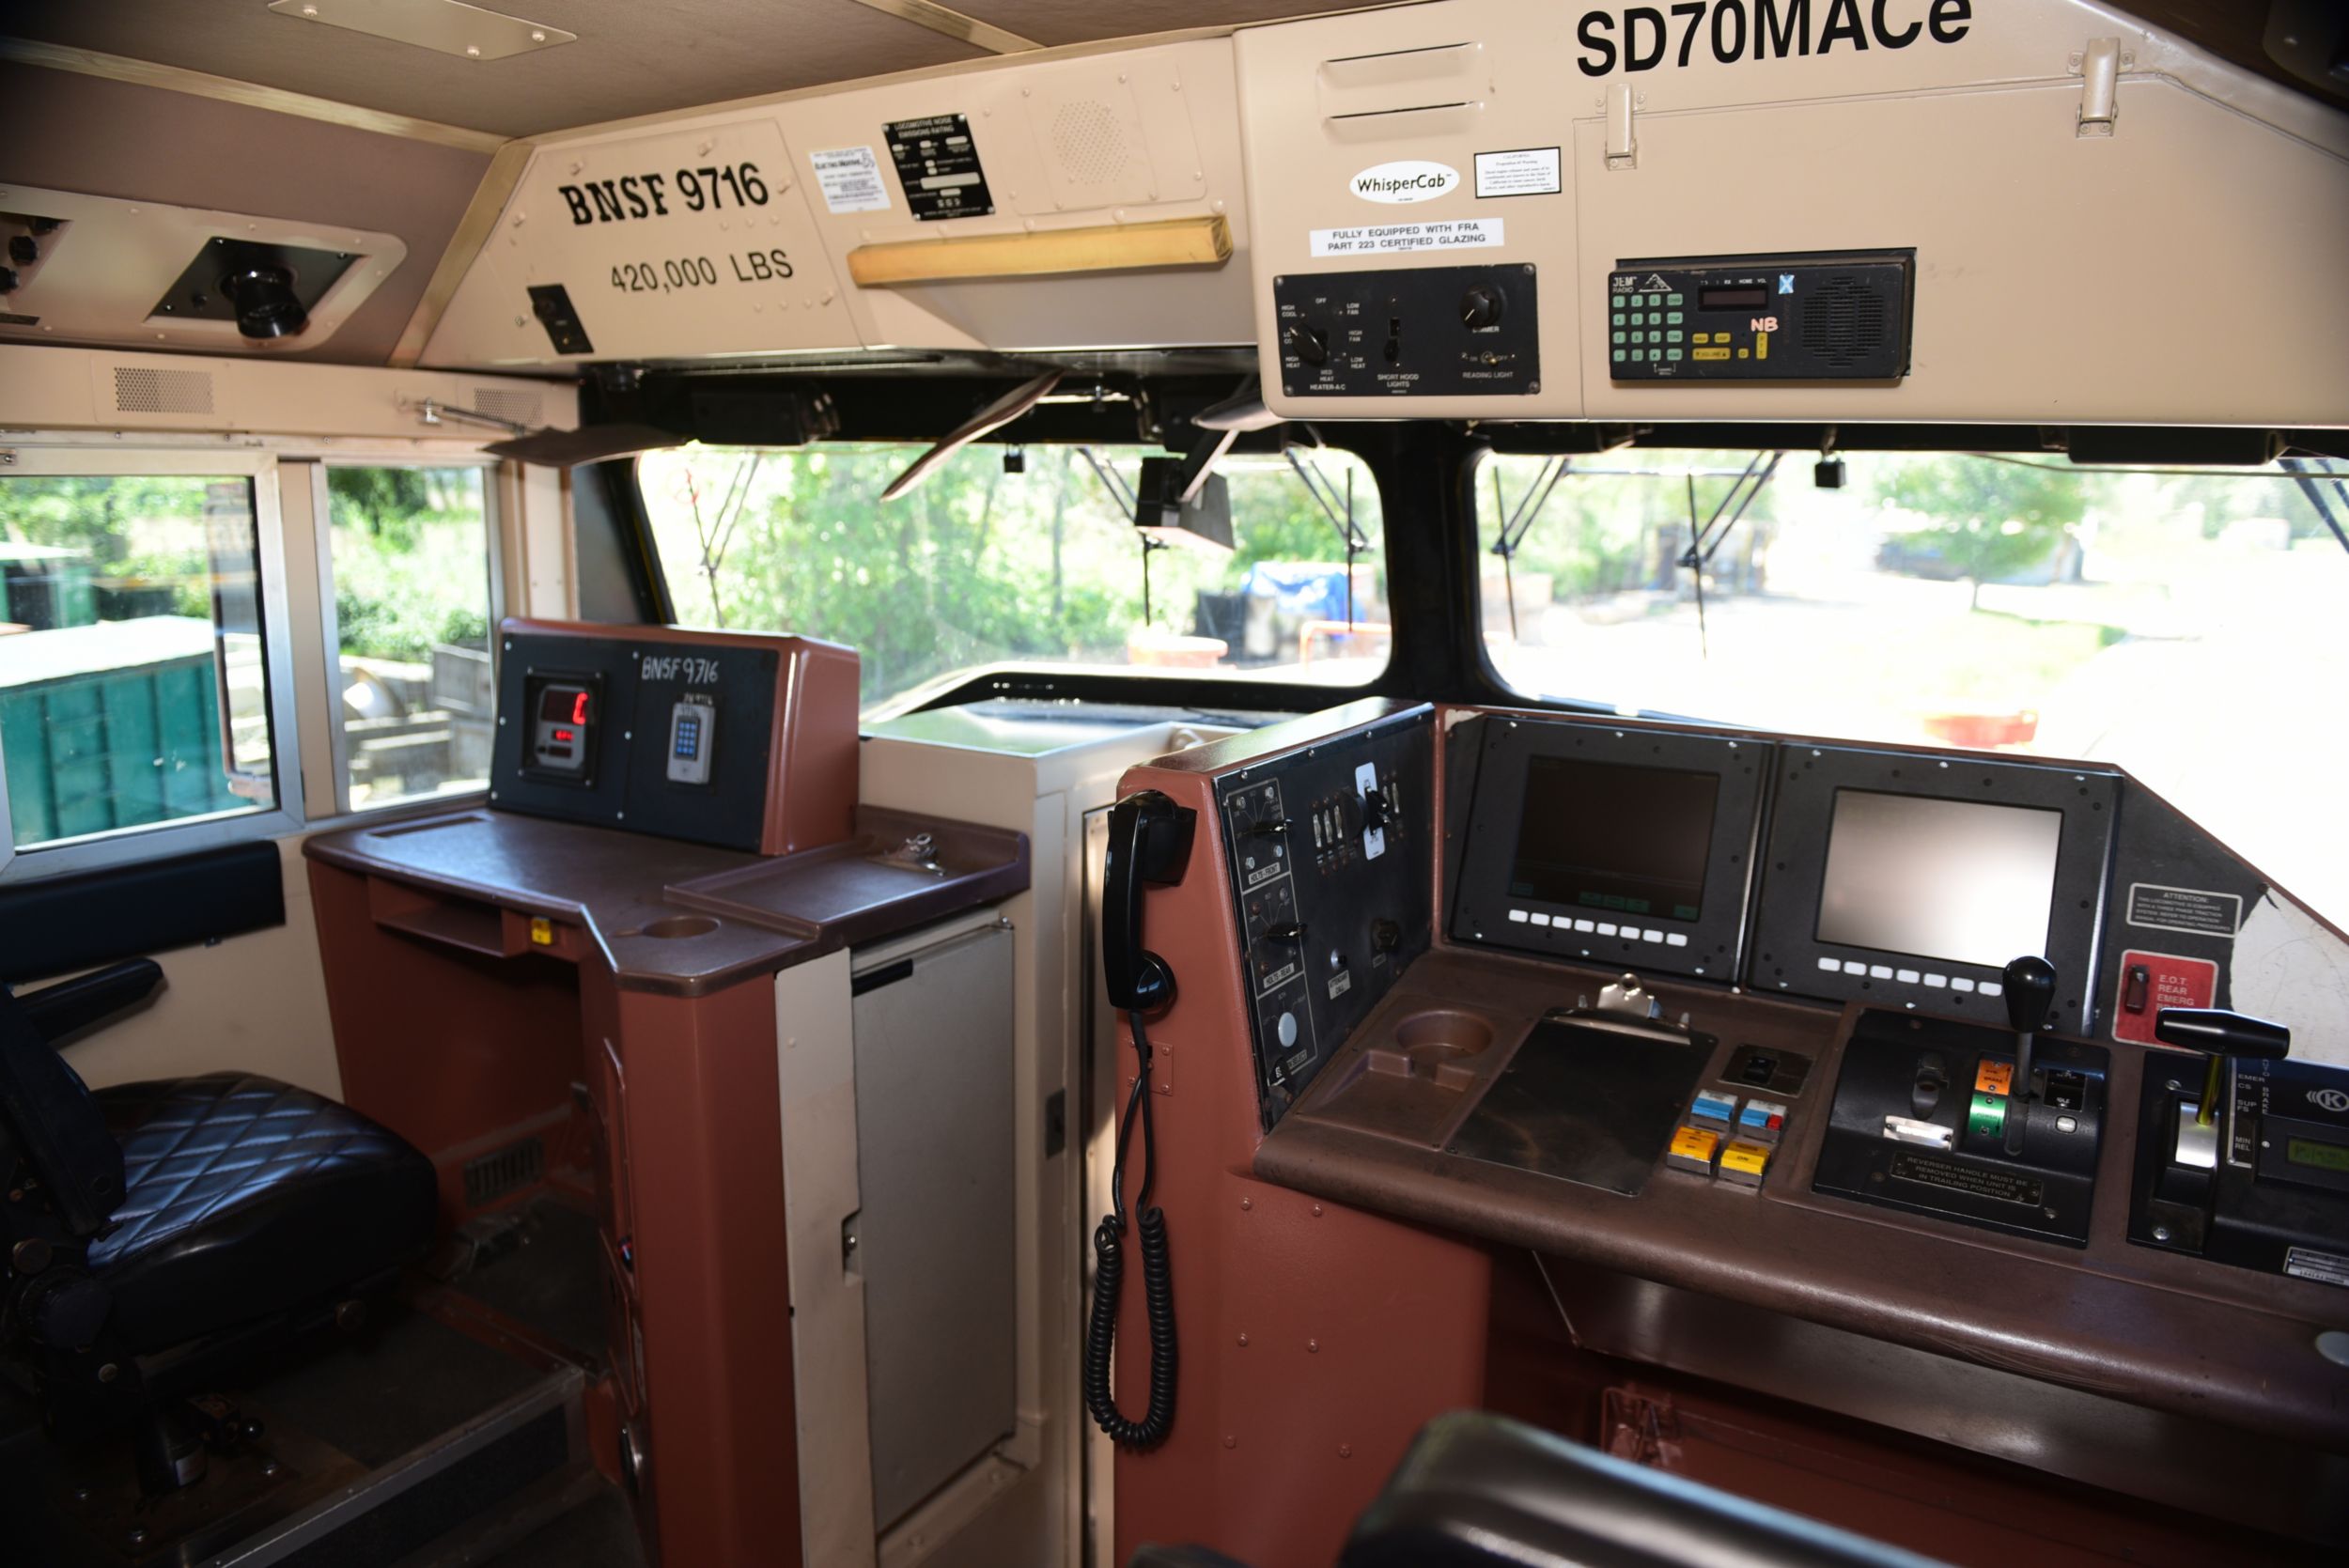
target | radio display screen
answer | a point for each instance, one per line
(1958, 880)
(2322, 1157)
(1603, 836)
(1732, 297)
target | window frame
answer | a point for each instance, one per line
(156, 841)
(330, 622)
(1212, 688)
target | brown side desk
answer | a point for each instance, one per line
(539, 1005)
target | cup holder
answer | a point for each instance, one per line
(1434, 1037)
(1437, 1044)
(671, 927)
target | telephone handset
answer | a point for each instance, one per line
(1149, 842)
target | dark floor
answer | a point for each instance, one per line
(390, 1391)
(599, 1533)
(549, 1281)
(339, 1406)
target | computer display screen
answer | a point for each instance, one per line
(1603, 836)
(1957, 881)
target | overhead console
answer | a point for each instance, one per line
(1085, 202)
(1931, 209)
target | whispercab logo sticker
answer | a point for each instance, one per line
(1405, 181)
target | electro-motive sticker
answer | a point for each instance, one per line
(1643, 38)
(938, 164)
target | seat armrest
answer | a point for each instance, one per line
(71, 1007)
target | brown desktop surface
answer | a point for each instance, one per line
(684, 918)
(2148, 1327)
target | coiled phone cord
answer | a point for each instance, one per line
(1158, 1283)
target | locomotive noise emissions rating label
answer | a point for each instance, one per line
(1388, 239)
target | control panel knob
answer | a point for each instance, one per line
(1310, 344)
(1480, 306)
(2031, 988)
(1293, 933)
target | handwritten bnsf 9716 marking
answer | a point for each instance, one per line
(657, 196)
(1735, 30)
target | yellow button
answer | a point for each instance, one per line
(1761, 344)
(1744, 353)
(1994, 1078)
(1700, 337)
(541, 931)
(1708, 354)
(1753, 1158)
(1695, 1143)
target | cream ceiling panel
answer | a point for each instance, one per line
(104, 274)
(1135, 136)
(693, 240)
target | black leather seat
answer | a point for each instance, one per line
(172, 1226)
(240, 1190)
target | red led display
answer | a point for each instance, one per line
(578, 708)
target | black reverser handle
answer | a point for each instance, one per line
(2220, 1032)
(1149, 842)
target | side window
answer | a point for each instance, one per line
(410, 549)
(134, 654)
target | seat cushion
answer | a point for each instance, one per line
(244, 1197)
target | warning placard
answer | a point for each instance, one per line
(850, 178)
(2205, 914)
(938, 164)
(1530, 171)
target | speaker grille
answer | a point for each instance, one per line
(1843, 322)
(1090, 142)
(145, 389)
(519, 406)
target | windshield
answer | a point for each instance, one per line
(1023, 555)
(2184, 626)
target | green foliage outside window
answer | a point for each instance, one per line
(977, 565)
(409, 561)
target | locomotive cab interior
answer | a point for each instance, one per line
(858, 783)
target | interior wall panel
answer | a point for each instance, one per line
(69, 132)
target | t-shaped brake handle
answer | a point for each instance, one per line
(2220, 1033)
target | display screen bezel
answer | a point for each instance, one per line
(1850, 798)
(1535, 805)
(1787, 956)
(1486, 806)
